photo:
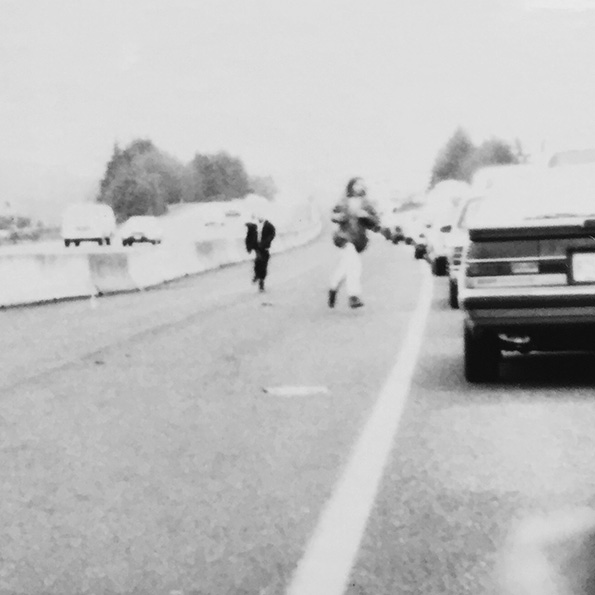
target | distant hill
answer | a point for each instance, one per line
(40, 192)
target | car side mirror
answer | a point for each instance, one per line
(446, 228)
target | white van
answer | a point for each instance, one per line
(88, 222)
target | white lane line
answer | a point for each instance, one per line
(331, 552)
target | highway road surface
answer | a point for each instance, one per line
(202, 438)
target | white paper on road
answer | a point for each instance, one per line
(296, 391)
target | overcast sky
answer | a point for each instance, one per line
(309, 91)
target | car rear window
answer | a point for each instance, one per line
(553, 195)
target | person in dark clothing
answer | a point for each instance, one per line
(259, 237)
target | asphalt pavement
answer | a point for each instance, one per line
(187, 439)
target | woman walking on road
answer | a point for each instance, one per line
(259, 237)
(354, 215)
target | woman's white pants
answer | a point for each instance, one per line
(349, 270)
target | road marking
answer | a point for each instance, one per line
(331, 552)
(296, 391)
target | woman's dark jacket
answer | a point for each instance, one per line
(252, 241)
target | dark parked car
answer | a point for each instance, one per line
(144, 228)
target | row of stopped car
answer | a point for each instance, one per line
(437, 230)
(519, 252)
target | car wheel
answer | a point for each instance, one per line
(100, 242)
(108, 241)
(453, 294)
(482, 355)
(66, 243)
(419, 252)
(77, 243)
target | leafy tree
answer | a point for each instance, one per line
(134, 190)
(169, 174)
(22, 222)
(141, 180)
(197, 169)
(449, 164)
(460, 159)
(491, 152)
(121, 158)
(218, 177)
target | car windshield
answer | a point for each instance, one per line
(554, 195)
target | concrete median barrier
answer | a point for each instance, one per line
(31, 278)
(110, 273)
(152, 267)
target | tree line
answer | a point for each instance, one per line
(141, 179)
(459, 159)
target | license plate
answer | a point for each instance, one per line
(583, 267)
(524, 268)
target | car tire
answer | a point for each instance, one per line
(453, 294)
(66, 243)
(77, 243)
(100, 242)
(108, 241)
(419, 252)
(482, 355)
